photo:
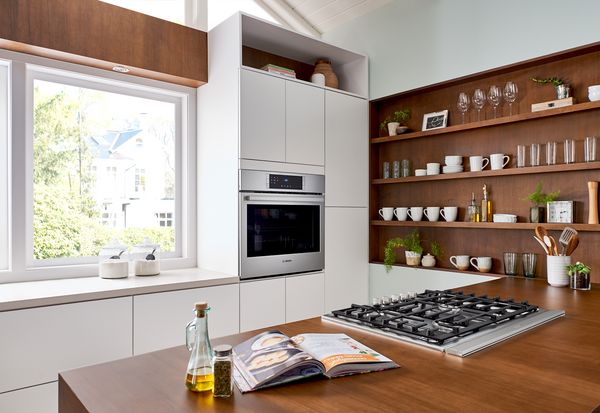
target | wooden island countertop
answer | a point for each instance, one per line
(553, 368)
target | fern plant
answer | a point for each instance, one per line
(538, 198)
(412, 242)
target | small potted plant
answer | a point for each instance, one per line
(436, 252)
(579, 276)
(539, 200)
(395, 123)
(562, 89)
(413, 249)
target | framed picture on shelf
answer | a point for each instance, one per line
(435, 120)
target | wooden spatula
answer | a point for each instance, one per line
(573, 243)
(565, 237)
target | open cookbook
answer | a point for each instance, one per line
(272, 358)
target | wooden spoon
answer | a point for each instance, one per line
(551, 244)
(542, 244)
(541, 232)
(573, 243)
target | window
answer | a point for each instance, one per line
(97, 154)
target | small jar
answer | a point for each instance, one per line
(222, 370)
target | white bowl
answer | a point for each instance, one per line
(453, 160)
(452, 169)
(593, 88)
(420, 172)
(594, 95)
(505, 218)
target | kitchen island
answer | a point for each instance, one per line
(555, 367)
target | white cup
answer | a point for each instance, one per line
(432, 213)
(401, 213)
(453, 160)
(387, 213)
(449, 213)
(433, 168)
(478, 163)
(499, 160)
(483, 264)
(460, 261)
(415, 213)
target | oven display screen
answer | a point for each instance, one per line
(283, 229)
(285, 182)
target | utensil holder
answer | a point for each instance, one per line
(557, 270)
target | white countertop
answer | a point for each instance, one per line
(15, 296)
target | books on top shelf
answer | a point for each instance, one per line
(279, 70)
(272, 358)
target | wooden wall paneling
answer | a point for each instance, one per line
(257, 58)
(98, 34)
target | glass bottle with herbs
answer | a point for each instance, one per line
(199, 371)
(223, 369)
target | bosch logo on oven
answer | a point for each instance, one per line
(286, 260)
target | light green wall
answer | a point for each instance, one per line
(412, 43)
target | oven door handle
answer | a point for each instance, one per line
(292, 198)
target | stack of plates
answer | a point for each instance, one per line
(452, 169)
(505, 218)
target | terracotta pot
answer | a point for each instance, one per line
(324, 66)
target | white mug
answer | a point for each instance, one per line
(460, 261)
(387, 213)
(401, 213)
(478, 163)
(499, 160)
(449, 213)
(415, 213)
(483, 264)
(433, 168)
(432, 213)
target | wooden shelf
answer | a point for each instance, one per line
(485, 225)
(580, 107)
(501, 172)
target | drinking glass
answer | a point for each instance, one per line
(535, 154)
(510, 263)
(589, 149)
(494, 97)
(510, 95)
(550, 153)
(463, 104)
(529, 261)
(405, 168)
(396, 169)
(520, 156)
(386, 170)
(569, 151)
(479, 101)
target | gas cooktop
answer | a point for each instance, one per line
(456, 323)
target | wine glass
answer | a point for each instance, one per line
(494, 97)
(479, 101)
(463, 104)
(510, 94)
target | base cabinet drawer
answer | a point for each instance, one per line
(262, 303)
(304, 296)
(36, 399)
(160, 319)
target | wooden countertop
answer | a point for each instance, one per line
(555, 367)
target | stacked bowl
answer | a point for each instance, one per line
(594, 93)
(453, 164)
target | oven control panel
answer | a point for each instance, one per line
(285, 182)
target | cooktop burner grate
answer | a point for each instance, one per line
(437, 316)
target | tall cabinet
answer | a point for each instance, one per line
(251, 119)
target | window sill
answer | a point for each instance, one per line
(16, 296)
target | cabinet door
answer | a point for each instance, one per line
(346, 150)
(36, 399)
(44, 341)
(346, 257)
(262, 113)
(304, 124)
(159, 319)
(262, 303)
(304, 296)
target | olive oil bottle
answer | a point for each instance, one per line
(200, 376)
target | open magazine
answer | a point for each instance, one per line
(272, 358)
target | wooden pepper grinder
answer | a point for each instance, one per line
(593, 202)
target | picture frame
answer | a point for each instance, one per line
(435, 120)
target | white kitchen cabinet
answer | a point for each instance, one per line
(346, 150)
(159, 320)
(36, 399)
(304, 124)
(304, 296)
(44, 341)
(262, 114)
(262, 303)
(346, 257)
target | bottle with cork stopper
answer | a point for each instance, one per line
(199, 376)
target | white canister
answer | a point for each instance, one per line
(113, 269)
(318, 79)
(558, 275)
(146, 267)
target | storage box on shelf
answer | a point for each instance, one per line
(508, 187)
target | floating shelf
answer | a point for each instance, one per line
(580, 107)
(501, 172)
(485, 225)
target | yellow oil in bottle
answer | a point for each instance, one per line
(200, 380)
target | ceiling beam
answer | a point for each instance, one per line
(280, 10)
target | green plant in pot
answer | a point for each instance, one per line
(539, 199)
(412, 246)
(562, 90)
(395, 121)
(579, 276)
(435, 253)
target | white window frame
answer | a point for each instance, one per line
(5, 163)
(26, 68)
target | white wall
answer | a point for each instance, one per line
(412, 43)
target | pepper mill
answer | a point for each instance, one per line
(593, 202)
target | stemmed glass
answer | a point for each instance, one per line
(510, 94)
(494, 97)
(479, 101)
(463, 104)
